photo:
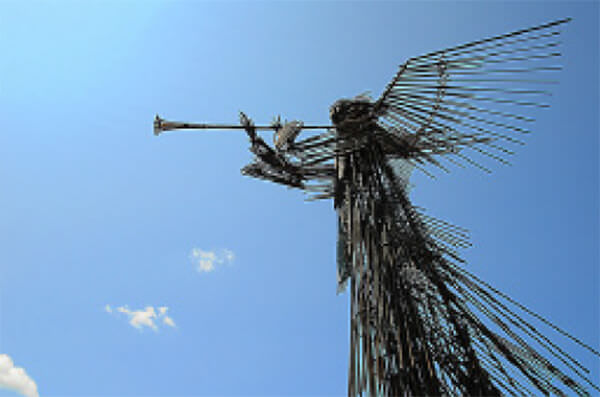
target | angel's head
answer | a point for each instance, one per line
(345, 110)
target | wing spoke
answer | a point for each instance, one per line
(484, 87)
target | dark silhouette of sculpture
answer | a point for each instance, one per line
(421, 324)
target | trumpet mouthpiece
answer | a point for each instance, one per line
(157, 125)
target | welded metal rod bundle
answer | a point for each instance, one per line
(421, 324)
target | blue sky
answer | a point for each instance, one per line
(96, 211)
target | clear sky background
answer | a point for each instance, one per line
(96, 211)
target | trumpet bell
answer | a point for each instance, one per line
(158, 125)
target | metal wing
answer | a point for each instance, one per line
(470, 96)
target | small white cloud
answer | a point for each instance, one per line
(147, 317)
(205, 261)
(168, 321)
(140, 318)
(108, 309)
(15, 378)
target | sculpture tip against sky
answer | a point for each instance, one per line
(421, 323)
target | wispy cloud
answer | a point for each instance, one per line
(15, 378)
(206, 261)
(140, 318)
(147, 317)
(162, 312)
(168, 321)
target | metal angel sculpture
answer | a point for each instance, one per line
(421, 324)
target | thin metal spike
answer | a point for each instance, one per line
(515, 359)
(552, 68)
(524, 49)
(446, 229)
(473, 163)
(453, 161)
(398, 123)
(483, 62)
(474, 118)
(446, 224)
(535, 335)
(481, 56)
(495, 302)
(423, 122)
(391, 116)
(449, 238)
(474, 108)
(524, 58)
(501, 43)
(423, 170)
(492, 156)
(487, 99)
(533, 375)
(499, 37)
(500, 148)
(402, 86)
(476, 128)
(477, 80)
(528, 311)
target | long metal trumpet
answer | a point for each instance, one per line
(162, 125)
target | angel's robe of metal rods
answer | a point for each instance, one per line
(421, 324)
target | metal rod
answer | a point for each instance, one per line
(161, 125)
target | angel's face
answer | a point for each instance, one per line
(350, 110)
